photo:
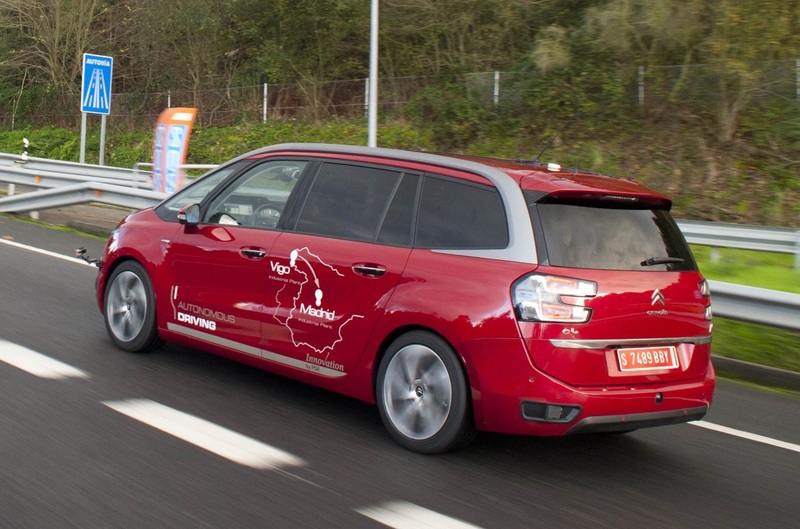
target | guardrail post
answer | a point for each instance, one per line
(797, 250)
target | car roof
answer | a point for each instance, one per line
(530, 175)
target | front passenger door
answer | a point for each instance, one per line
(220, 265)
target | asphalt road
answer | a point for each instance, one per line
(83, 442)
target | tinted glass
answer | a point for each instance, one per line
(348, 201)
(397, 226)
(258, 197)
(196, 192)
(454, 214)
(608, 238)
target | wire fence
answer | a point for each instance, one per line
(646, 91)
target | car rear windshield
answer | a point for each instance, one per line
(608, 235)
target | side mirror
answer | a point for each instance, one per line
(189, 215)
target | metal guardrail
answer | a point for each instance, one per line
(71, 183)
(756, 305)
(82, 193)
(758, 238)
(45, 173)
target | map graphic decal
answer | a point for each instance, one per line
(312, 319)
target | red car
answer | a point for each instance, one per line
(458, 293)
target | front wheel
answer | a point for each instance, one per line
(130, 311)
(423, 395)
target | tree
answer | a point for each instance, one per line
(46, 39)
(746, 35)
(424, 37)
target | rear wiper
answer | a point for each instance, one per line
(652, 261)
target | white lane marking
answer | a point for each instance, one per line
(404, 515)
(747, 435)
(37, 363)
(45, 252)
(204, 434)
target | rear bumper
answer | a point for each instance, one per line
(514, 397)
(634, 421)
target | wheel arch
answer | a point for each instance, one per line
(382, 349)
(109, 271)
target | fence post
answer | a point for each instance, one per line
(264, 111)
(169, 98)
(641, 86)
(797, 251)
(797, 78)
(496, 92)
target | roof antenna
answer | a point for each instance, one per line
(558, 132)
(550, 143)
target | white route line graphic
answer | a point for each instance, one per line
(294, 256)
(36, 363)
(404, 515)
(317, 257)
(45, 252)
(206, 435)
(96, 94)
(747, 435)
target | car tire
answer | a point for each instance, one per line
(130, 310)
(423, 394)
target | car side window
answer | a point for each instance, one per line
(460, 215)
(196, 191)
(258, 197)
(349, 201)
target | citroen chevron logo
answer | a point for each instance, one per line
(657, 297)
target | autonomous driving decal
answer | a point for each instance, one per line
(302, 306)
(198, 316)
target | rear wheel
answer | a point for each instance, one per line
(423, 395)
(130, 311)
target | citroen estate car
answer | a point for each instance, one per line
(457, 293)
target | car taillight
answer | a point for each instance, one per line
(552, 299)
(705, 291)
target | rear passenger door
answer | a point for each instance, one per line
(331, 273)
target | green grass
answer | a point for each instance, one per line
(744, 267)
(755, 343)
(748, 341)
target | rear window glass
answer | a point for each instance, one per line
(597, 236)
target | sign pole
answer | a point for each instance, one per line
(83, 137)
(102, 138)
(372, 111)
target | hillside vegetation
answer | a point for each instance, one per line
(696, 98)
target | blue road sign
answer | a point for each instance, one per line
(96, 86)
